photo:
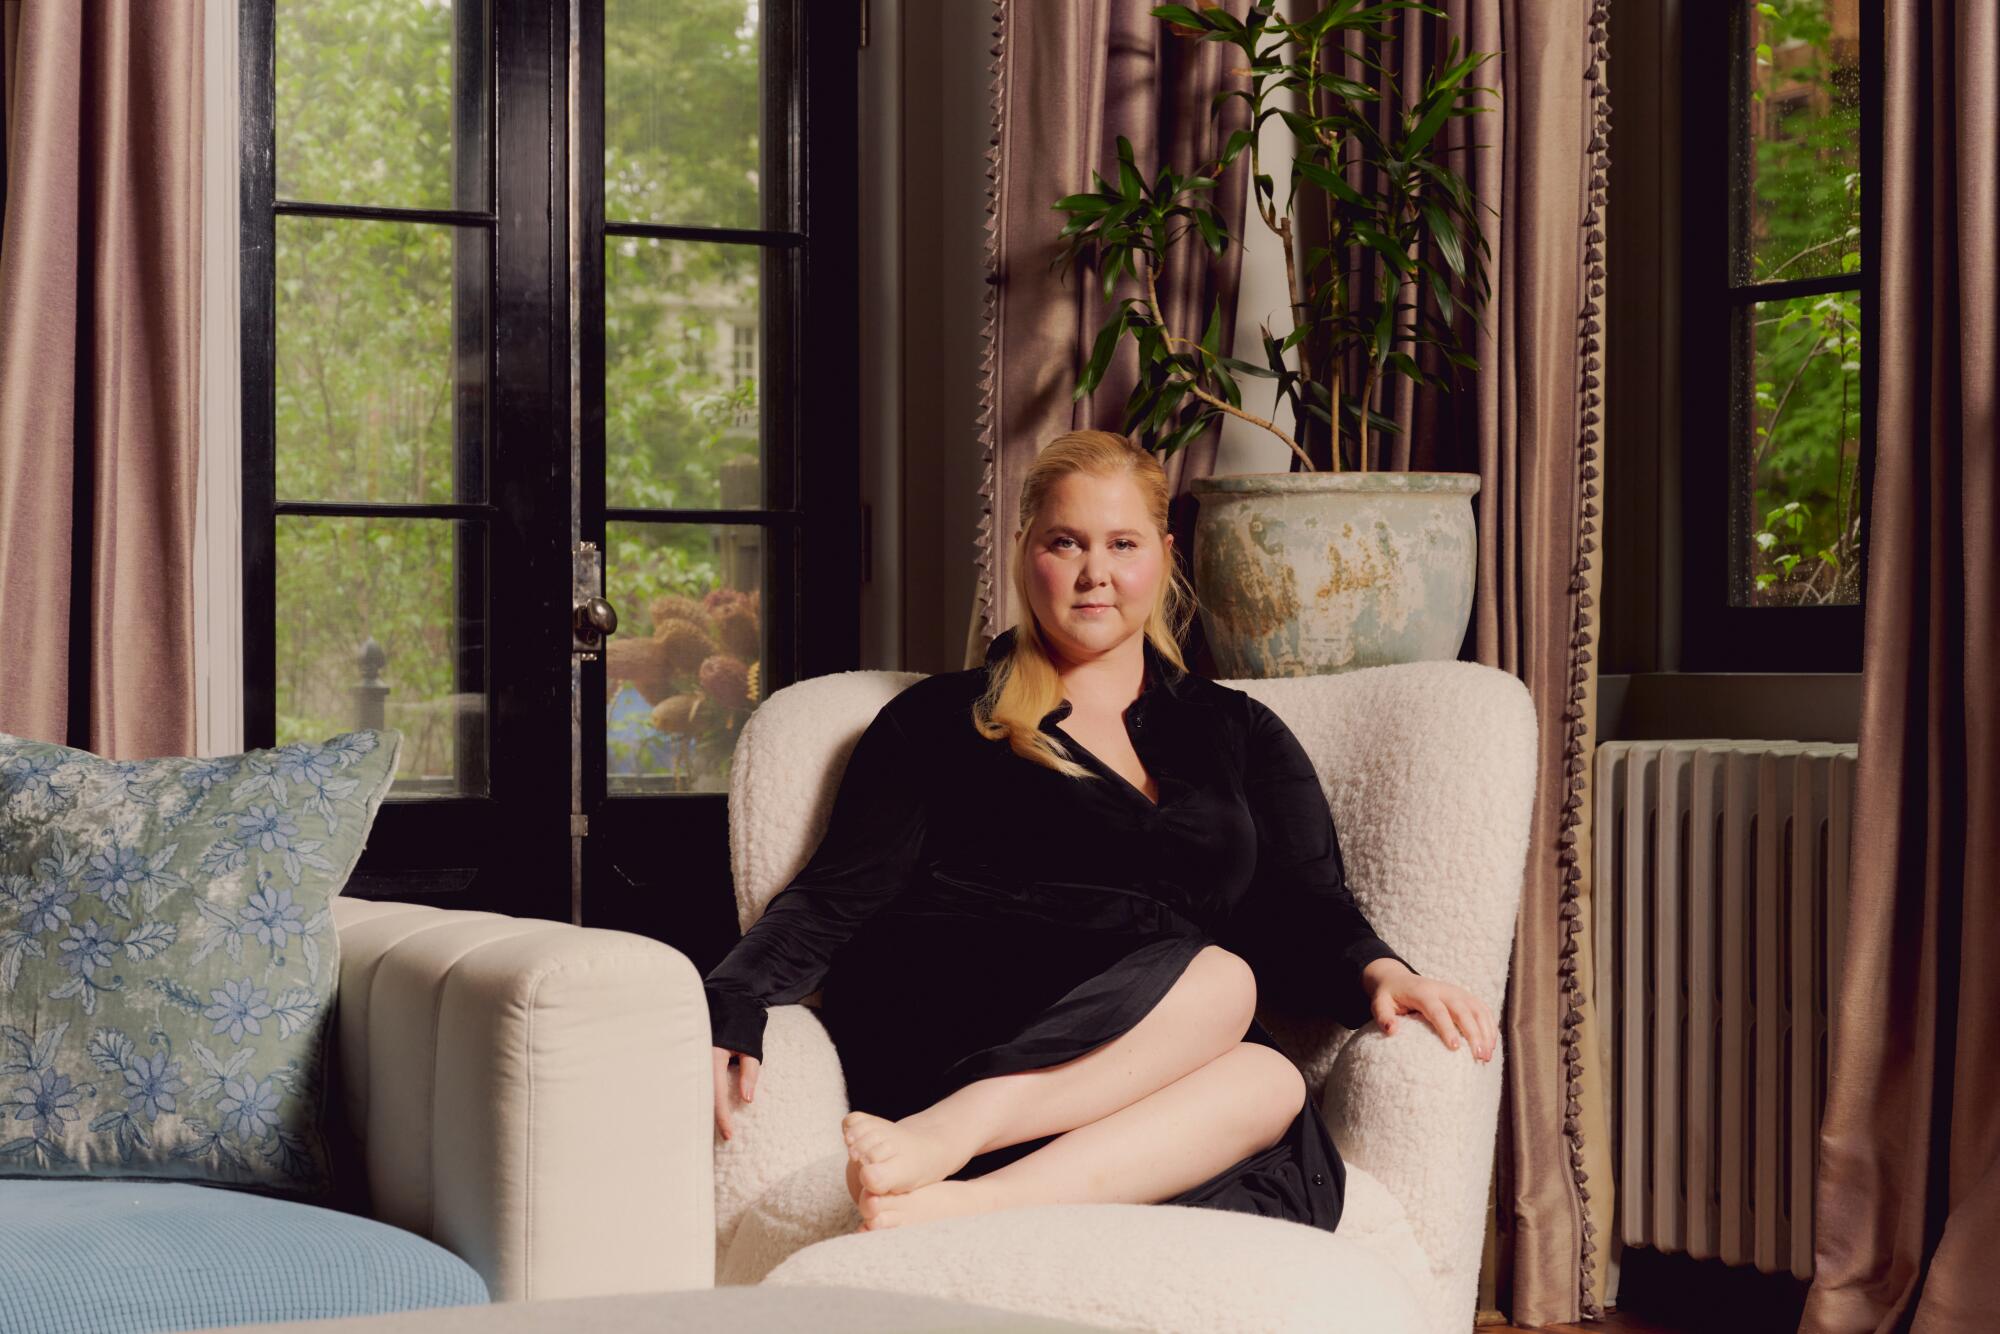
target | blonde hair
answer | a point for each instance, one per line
(1023, 687)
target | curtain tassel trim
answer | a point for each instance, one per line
(1590, 400)
(989, 328)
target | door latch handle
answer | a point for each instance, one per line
(595, 618)
(592, 619)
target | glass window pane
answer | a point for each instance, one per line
(683, 354)
(381, 341)
(1803, 161)
(383, 102)
(1799, 542)
(378, 626)
(685, 669)
(683, 115)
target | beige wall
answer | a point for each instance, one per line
(924, 116)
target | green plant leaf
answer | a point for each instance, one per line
(1138, 405)
(1182, 15)
(1446, 236)
(1211, 338)
(1160, 403)
(1245, 367)
(1330, 181)
(1350, 89)
(1376, 420)
(1212, 235)
(1131, 185)
(1188, 430)
(1100, 355)
(1232, 393)
(1120, 260)
(1089, 202)
(1385, 247)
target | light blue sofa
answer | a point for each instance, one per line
(514, 1114)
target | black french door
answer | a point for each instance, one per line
(548, 327)
(716, 212)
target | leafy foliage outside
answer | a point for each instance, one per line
(371, 394)
(1804, 454)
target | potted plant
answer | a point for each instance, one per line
(1329, 568)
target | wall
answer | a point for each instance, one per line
(925, 115)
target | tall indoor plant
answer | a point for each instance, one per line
(1328, 568)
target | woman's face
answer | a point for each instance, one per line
(1095, 564)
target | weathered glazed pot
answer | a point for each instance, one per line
(1305, 573)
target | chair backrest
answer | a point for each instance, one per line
(785, 770)
(1429, 769)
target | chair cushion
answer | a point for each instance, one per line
(99, 1257)
(1128, 1266)
(755, 1310)
(793, 1121)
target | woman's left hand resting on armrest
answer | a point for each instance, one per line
(1394, 990)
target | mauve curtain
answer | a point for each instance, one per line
(1527, 424)
(1070, 77)
(99, 317)
(1907, 1206)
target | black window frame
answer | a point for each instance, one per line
(1717, 636)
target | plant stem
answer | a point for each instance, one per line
(1194, 385)
(1254, 420)
(1295, 296)
(1334, 251)
(1367, 398)
(1823, 245)
(1771, 431)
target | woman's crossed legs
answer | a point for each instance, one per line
(1161, 1108)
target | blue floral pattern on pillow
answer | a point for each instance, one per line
(168, 956)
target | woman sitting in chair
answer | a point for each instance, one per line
(1049, 896)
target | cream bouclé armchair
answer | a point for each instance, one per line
(1429, 769)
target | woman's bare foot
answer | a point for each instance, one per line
(940, 1199)
(895, 1157)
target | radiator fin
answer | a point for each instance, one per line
(1721, 884)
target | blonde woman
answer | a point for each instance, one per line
(1049, 893)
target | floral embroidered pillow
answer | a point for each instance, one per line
(168, 957)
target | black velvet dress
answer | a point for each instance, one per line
(969, 913)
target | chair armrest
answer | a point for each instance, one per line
(1424, 1120)
(533, 1096)
(794, 1119)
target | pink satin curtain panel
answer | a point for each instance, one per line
(1907, 1210)
(100, 293)
(1064, 75)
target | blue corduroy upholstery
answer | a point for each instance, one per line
(104, 1257)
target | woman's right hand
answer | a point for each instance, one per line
(746, 1085)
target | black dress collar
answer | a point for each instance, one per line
(1164, 681)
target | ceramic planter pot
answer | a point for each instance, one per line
(1305, 573)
